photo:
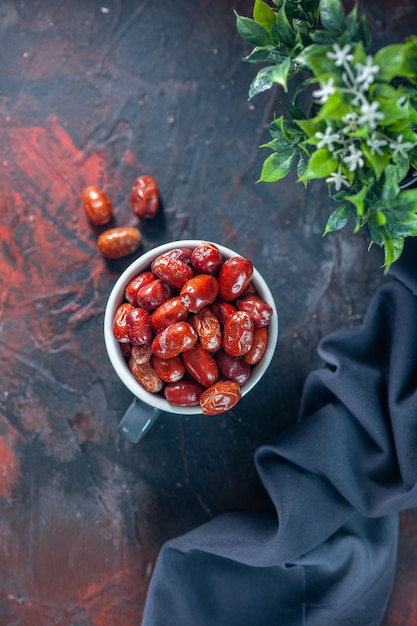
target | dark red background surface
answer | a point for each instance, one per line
(98, 93)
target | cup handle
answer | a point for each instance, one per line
(137, 420)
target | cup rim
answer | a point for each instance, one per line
(116, 297)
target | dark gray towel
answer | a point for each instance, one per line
(336, 480)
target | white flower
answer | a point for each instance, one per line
(400, 147)
(328, 138)
(352, 122)
(327, 89)
(354, 158)
(338, 179)
(376, 144)
(340, 55)
(366, 73)
(370, 114)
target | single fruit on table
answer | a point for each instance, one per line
(118, 242)
(145, 197)
(98, 207)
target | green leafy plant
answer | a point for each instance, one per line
(349, 116)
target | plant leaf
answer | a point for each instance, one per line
(302, 164)
(332, 15)
(269, 76)
(263, 14)
(398, 59)
(315, 57)
(310, 126)
(338, 219)
(357, 27)
(278, 144)
(393, 175)
(280, 127)
(407, 200)
(265, 54)
(335, 107)
(311, 6)
(378, 162)
(293, 111)
(375, 232)
(277, 165)
(392, 251)
(284, 29)
(324, 36)
(395, 115)
(296, 12)
(358, 199)
(252, 32)
(320, 165)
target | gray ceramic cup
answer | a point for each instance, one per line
(145, 406)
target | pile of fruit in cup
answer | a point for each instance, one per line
(192, 326)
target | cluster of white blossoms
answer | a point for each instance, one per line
(357, 81)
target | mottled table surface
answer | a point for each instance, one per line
(96, 93)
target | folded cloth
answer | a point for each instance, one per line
(326, 555)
